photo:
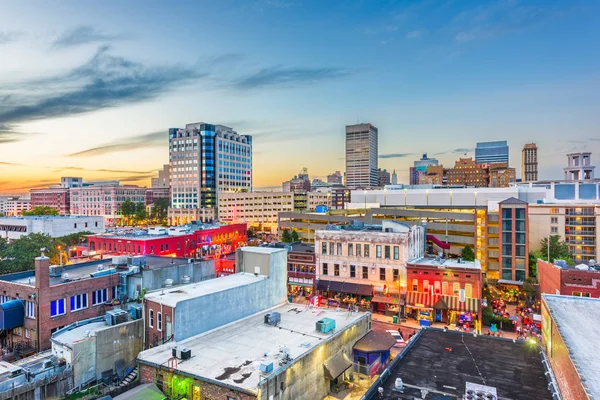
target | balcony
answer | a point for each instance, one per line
(581, 242)
(584, 212)
(580, 223)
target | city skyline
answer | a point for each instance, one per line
(433, 79)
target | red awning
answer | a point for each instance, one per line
(420, 299)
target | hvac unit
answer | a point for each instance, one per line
(119, 261)
(137, 261)
(136, 311)
(325, 325)
(266, 367)
(182, 353)
(56, 270)
(186, 279)
(272, 318)
(168, 282)
(116, 316)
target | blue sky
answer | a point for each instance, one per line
(90, 88)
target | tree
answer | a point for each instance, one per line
(467, 253)
(140, 213)
(40, 210)
(286, 236)
(559, 250)
(250, 234)
(74, 239)
(160, 210)
(294, 236)
(533, 257)
(127, 209)
(20, 253)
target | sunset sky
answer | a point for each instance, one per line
(89, 88)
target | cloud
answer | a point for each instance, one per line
(10, 164)
(154, 139)
(463, 150)
(83, 35)
(396, 155)
(102, 82)
(278, 76)
(9, 135)
(110, 171)
(9, 36)
(417, 34)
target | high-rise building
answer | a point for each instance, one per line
(513, 240)
(420, 168)
(206, 159)
(299, 183)
(529, 163)
(162, 181)
(491, 152)
(384, 177)
(580, 167)
(361, 156)
(394, 178)
(336, 178)
(468, 173)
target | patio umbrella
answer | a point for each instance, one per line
(493, 328)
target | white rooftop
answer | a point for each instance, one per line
(446, 263)
(235, 351)
(79, 333)
(578, 322)
(171, 296)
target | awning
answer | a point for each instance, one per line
(440, 305)
(420, 299)
(333, 286)
(12, 314)
(344, 287)
(336, 365)
(510, 282)
(385, 299)
(469, 305)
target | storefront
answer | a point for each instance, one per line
(385, 304)
(456, 312)
(420, 306)
(345, 294)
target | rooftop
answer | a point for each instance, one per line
(170, 297)
(452, 359)
(50, 217)
(232, 354)
(578, 322)
(445, 263)
(68, 337)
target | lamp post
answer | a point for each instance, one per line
(59, 247)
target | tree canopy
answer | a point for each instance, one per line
(41, 210)
(19, 254)
(559, 250)
(467, 253)
(286, 236)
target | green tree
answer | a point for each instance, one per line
(74, 239)
(20, 253)
(294, 236)
(533, 257)
(41, 210)
(559, 250)
(467, 253)
(127, 210)
(286, 236)
(140, 213)
(250, 234)
(160, 210)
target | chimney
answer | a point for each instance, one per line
(42, 271)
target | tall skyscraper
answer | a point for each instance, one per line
(491, 152)
(394, 178)
(361, 156)
(420, 168)
(206, 159)
(529, 163)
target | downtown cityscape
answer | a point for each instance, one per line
(418, 222)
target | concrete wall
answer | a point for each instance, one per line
(117, 346)
(204, 313)
(306, 378)
(53, 387)
(154, 279)
(83, 360)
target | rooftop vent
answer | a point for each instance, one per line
(168, 282)
(272, 318)
(65, 278)
(186, 279)
(56, 270)
(182, 353)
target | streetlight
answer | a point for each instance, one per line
(59, 247)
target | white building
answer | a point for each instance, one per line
(366, 262)
(104, 199)
(55, 226)
(362, 156)
(15, 206)
(257, 209)
(579, 167)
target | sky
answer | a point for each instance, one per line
(90, 88)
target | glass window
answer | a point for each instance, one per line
(507, 237)
(520, 275)
(366, 252)
(353, 271)
(30, 309)
(396, 252)
(520, 250)
(396, 274)
(415, 285)
(358, 247)
(331, 248)
(456, 288)
(378, 251)
(426, 285)
(553, 229)
(57, 308)
(520, 213)
(159, 321)
(507, 213)
(325, 269)
(445, 288)
(151, 318)
(520, 226)
(468, 290)
(387, 252)
(365, 272)
(520, 238)
(324, 248)
(382, 274)
(99, 296)
(507, 249)
(436, 287)
(336, 269)
(339, 249)
(350, 250)
(79, 302)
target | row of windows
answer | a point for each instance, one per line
(364, 271)
(355, 249)
(79, 302)
(438, 287)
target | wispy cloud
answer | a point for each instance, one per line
(109, 171)
(83, 35)
(396, 155)
(9, 135)
(9, 36)
(153, 139)
(102, 82)
(463, 150)
(10, 163)
(279, 76)
(416, 34)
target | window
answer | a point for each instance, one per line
(113, 292)
(426, 285)
(581, 294)
(325, 269)
(455, 288)
(415, 285)
(324, 248)
(339, 249)
(353, 271)
(162, 247)
(468, 290)
(554, 211)
(378, 251)
(99, 296)
(387, 252)
(382, 274)
(79, 302)
(336, 269)
(396, 253)
(27, 333)
(554, 220)
(57, 308)
(365, 272)
(358, 246)
(553, 229)
(151, 318)
(396, 274)
(159, 321)
(445, 288)
(366, 252)
(350, 250)
(331, 248)
(30, 309)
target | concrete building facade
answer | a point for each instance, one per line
(579, 167)
(105, 200)
(362, 156)
(55, 226)
(529, 163)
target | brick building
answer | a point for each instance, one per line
(513, 240)
(53, 197)
(301, 261)
(468, 173)
(581, 281)
(501, 175)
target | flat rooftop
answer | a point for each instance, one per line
(578, 322)
(441, 363)
(170, 297)
(445, 263)
(232, 354)
(51, 217)
(76, 334)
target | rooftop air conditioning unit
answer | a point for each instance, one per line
(116, 316)
(168, 282)
(136, 311)
(119, 261)
(325, 325)
(56, 270)
(272, 318)
(266, 367)
(182, 353)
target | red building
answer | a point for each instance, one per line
(444, 291)
(202, 241)
(567, 280)
(54, 197)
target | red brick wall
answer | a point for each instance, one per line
(580, 281)
(549, 277)
(464, 277)
(153, 335)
